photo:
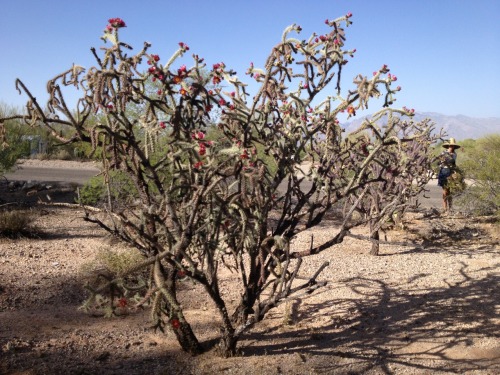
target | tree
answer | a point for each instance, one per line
(479, 160)
(238, 200)
(12, 146)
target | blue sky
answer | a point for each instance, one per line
(445, 53)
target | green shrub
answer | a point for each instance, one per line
(12, 146)
(93, 192)
(84, 150)
(121, 190)
(62, 154)
(480, 162)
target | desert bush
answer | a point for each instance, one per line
(93, 192)
(84, 150)
(41, 156)
(114, 188)
(17, 223)
(12, 146)
(62, 154)
(233, 198)
(480, 162)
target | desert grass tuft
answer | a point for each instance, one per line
(17, 224)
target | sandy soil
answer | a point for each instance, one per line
(431, 306)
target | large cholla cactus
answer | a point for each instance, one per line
(205, 204)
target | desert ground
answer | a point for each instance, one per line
(429, 304)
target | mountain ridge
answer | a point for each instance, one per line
(459, 126)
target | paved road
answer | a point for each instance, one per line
(432, 198)
(74, 175)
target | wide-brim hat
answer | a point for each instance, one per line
(451, 142)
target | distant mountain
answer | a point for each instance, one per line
(459, 127)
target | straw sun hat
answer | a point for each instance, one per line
(451, 142)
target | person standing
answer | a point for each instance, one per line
(447, 166)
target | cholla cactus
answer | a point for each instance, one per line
(204, 203)
(398, 174)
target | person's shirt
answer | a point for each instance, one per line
(447, 159)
